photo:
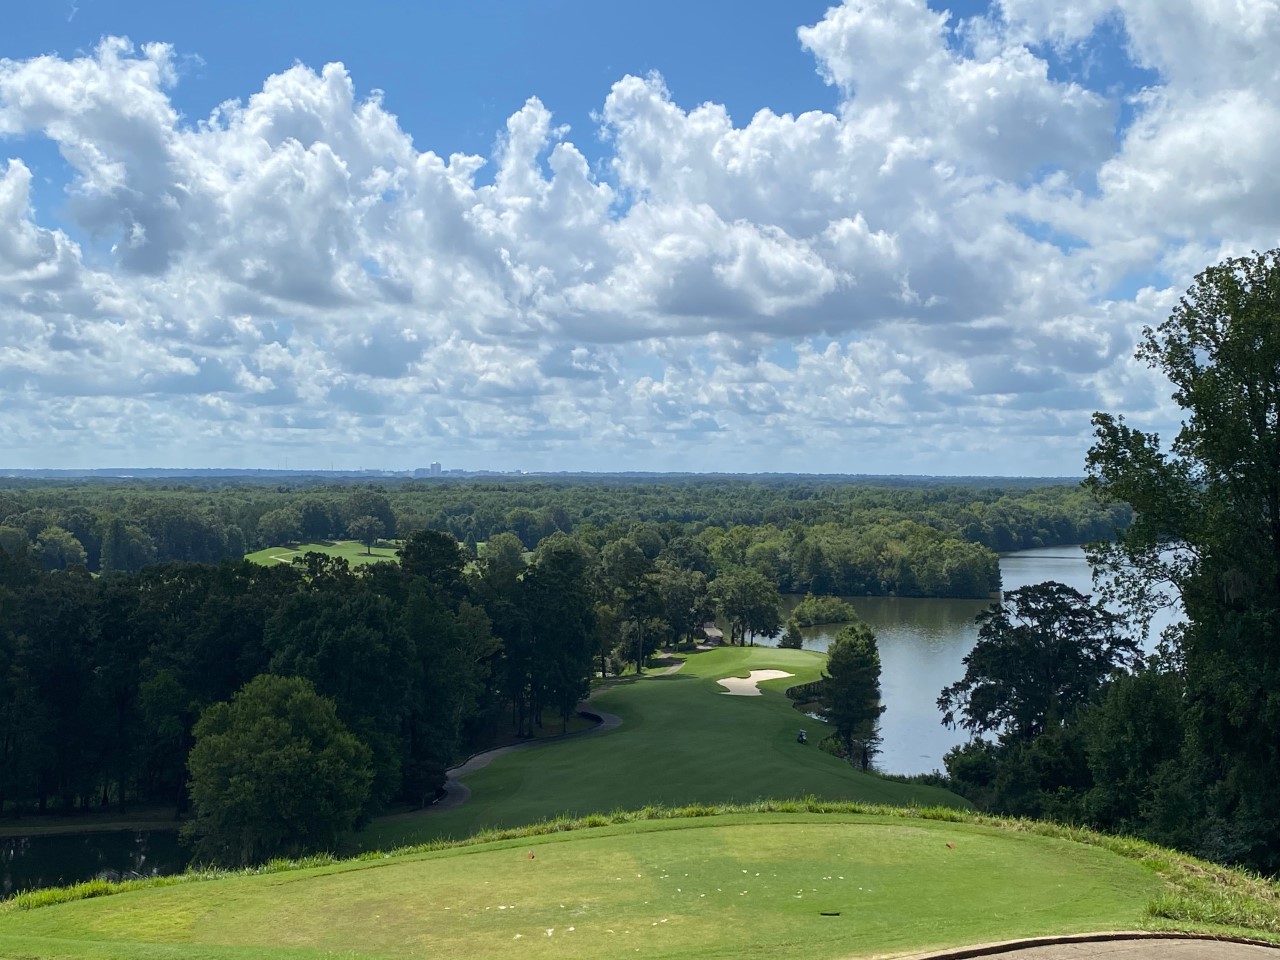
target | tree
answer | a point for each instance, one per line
(367, 530)
(791, 638)
(125, 547)
(1207, 525)
(273, 773)
(625, 574)
(437, 557)
(851, 692)
(315, 520)
(13, 540)
(57, 549)
(278, 527)
(749, 602)
(370, 503)
(1042, 652)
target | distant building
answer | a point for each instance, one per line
(435, 468)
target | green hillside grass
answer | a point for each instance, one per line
(662, 883)
(352, 551)
(681, 741)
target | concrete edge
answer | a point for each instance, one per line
(1027, 943)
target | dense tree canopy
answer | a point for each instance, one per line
(274, 773)
(1208, 524)
(1042, 653)
(851, 691)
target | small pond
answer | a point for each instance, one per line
(27, 863)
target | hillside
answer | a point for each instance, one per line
(682, 740)
(796, 880)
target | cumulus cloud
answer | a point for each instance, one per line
(955, 261)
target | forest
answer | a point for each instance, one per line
(127, 611)
(804, 534)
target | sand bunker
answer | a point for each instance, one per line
(746, 686)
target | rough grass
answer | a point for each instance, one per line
(699, 880)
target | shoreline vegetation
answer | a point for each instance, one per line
(818, 611)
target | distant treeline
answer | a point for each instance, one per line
(805, 534)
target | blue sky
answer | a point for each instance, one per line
(711, 235)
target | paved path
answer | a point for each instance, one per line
(1124, 946)
(456, 792)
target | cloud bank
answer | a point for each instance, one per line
(947, 274)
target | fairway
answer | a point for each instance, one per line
(681, 741)
(352, 551)
(718, 886)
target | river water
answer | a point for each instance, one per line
(922, 645)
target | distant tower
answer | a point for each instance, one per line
(435, 468)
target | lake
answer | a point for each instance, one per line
(922, 645)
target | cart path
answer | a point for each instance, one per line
(457, 793)
(1126, 945)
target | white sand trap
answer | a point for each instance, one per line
(746, 686)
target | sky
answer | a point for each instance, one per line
(885, 236)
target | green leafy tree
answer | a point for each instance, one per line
(435, 556)
(366, 530)
(126, 547)
(791, 638)
(370, 503)
(273, 773)
(1041, 653)
(1207, 525)
(315, 519)
(13, 540)
(749, 602)
(278, 527)
(57, 549)
(851, 692)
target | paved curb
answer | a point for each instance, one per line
(1028, 943)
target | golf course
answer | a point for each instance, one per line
(682, 740)
(653, 839)
(354, 552)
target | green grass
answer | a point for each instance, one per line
(351, 550)
(703, 882)
(681, 741)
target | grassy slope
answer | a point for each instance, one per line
(353, 551)
(682, 741)
(736, 885)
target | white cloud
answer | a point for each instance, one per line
(968, 246)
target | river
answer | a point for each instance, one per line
(923, 643)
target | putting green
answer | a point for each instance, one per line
(719, 886)
(681, 741)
